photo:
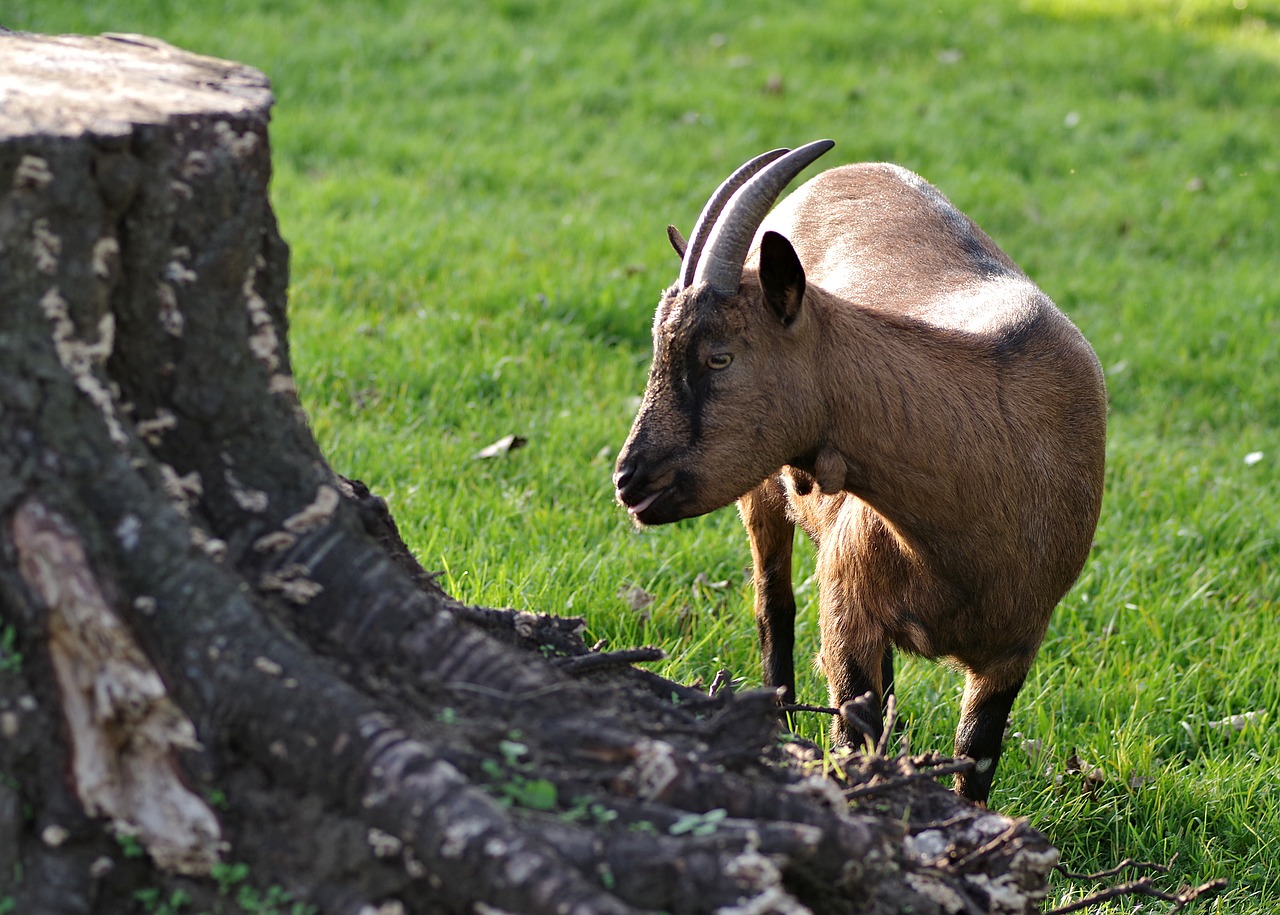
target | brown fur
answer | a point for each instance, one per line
(922, 411)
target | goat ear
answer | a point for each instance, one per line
(782, 277)
(677, 240)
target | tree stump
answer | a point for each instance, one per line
(216, 652)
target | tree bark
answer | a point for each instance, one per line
(216, 651)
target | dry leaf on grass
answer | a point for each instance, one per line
(636, 598)
(501, 447)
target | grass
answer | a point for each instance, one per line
(476, 194)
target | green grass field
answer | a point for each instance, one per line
(476, 195)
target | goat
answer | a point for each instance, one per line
(867, 364)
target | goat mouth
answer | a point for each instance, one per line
(637, 509)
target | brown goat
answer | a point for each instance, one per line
(867, 364)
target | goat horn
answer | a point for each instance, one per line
(707, 220)
(730, 238)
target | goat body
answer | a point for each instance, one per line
(884, 376)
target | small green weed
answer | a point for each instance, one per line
(130, 845)
(229, 875)
(153, 902)
(274, 900)
(10, 657)
(699, 824)
(511, 781)
(585, 809)
(271, 901)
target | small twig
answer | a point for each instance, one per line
(849, 712)
(1140, 887)
(722, 679)
(962, 817)
(583, 663)
(987, 847)
(1123, 865)
(951, 768)
(1143, 887)
(890, 719)
(1188, 896)
(801, 707)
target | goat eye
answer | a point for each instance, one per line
(719, 361)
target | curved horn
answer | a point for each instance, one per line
(731, 236)
(707, 220)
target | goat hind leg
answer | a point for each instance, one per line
(856, 666)
(857, 692)
(886, 678)
(988, 699)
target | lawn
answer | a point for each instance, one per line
(476, 195)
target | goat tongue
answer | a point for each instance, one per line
(645, 502)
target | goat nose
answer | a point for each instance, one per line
(622, 476)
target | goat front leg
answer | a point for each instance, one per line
(772, 535)
(988, 699)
